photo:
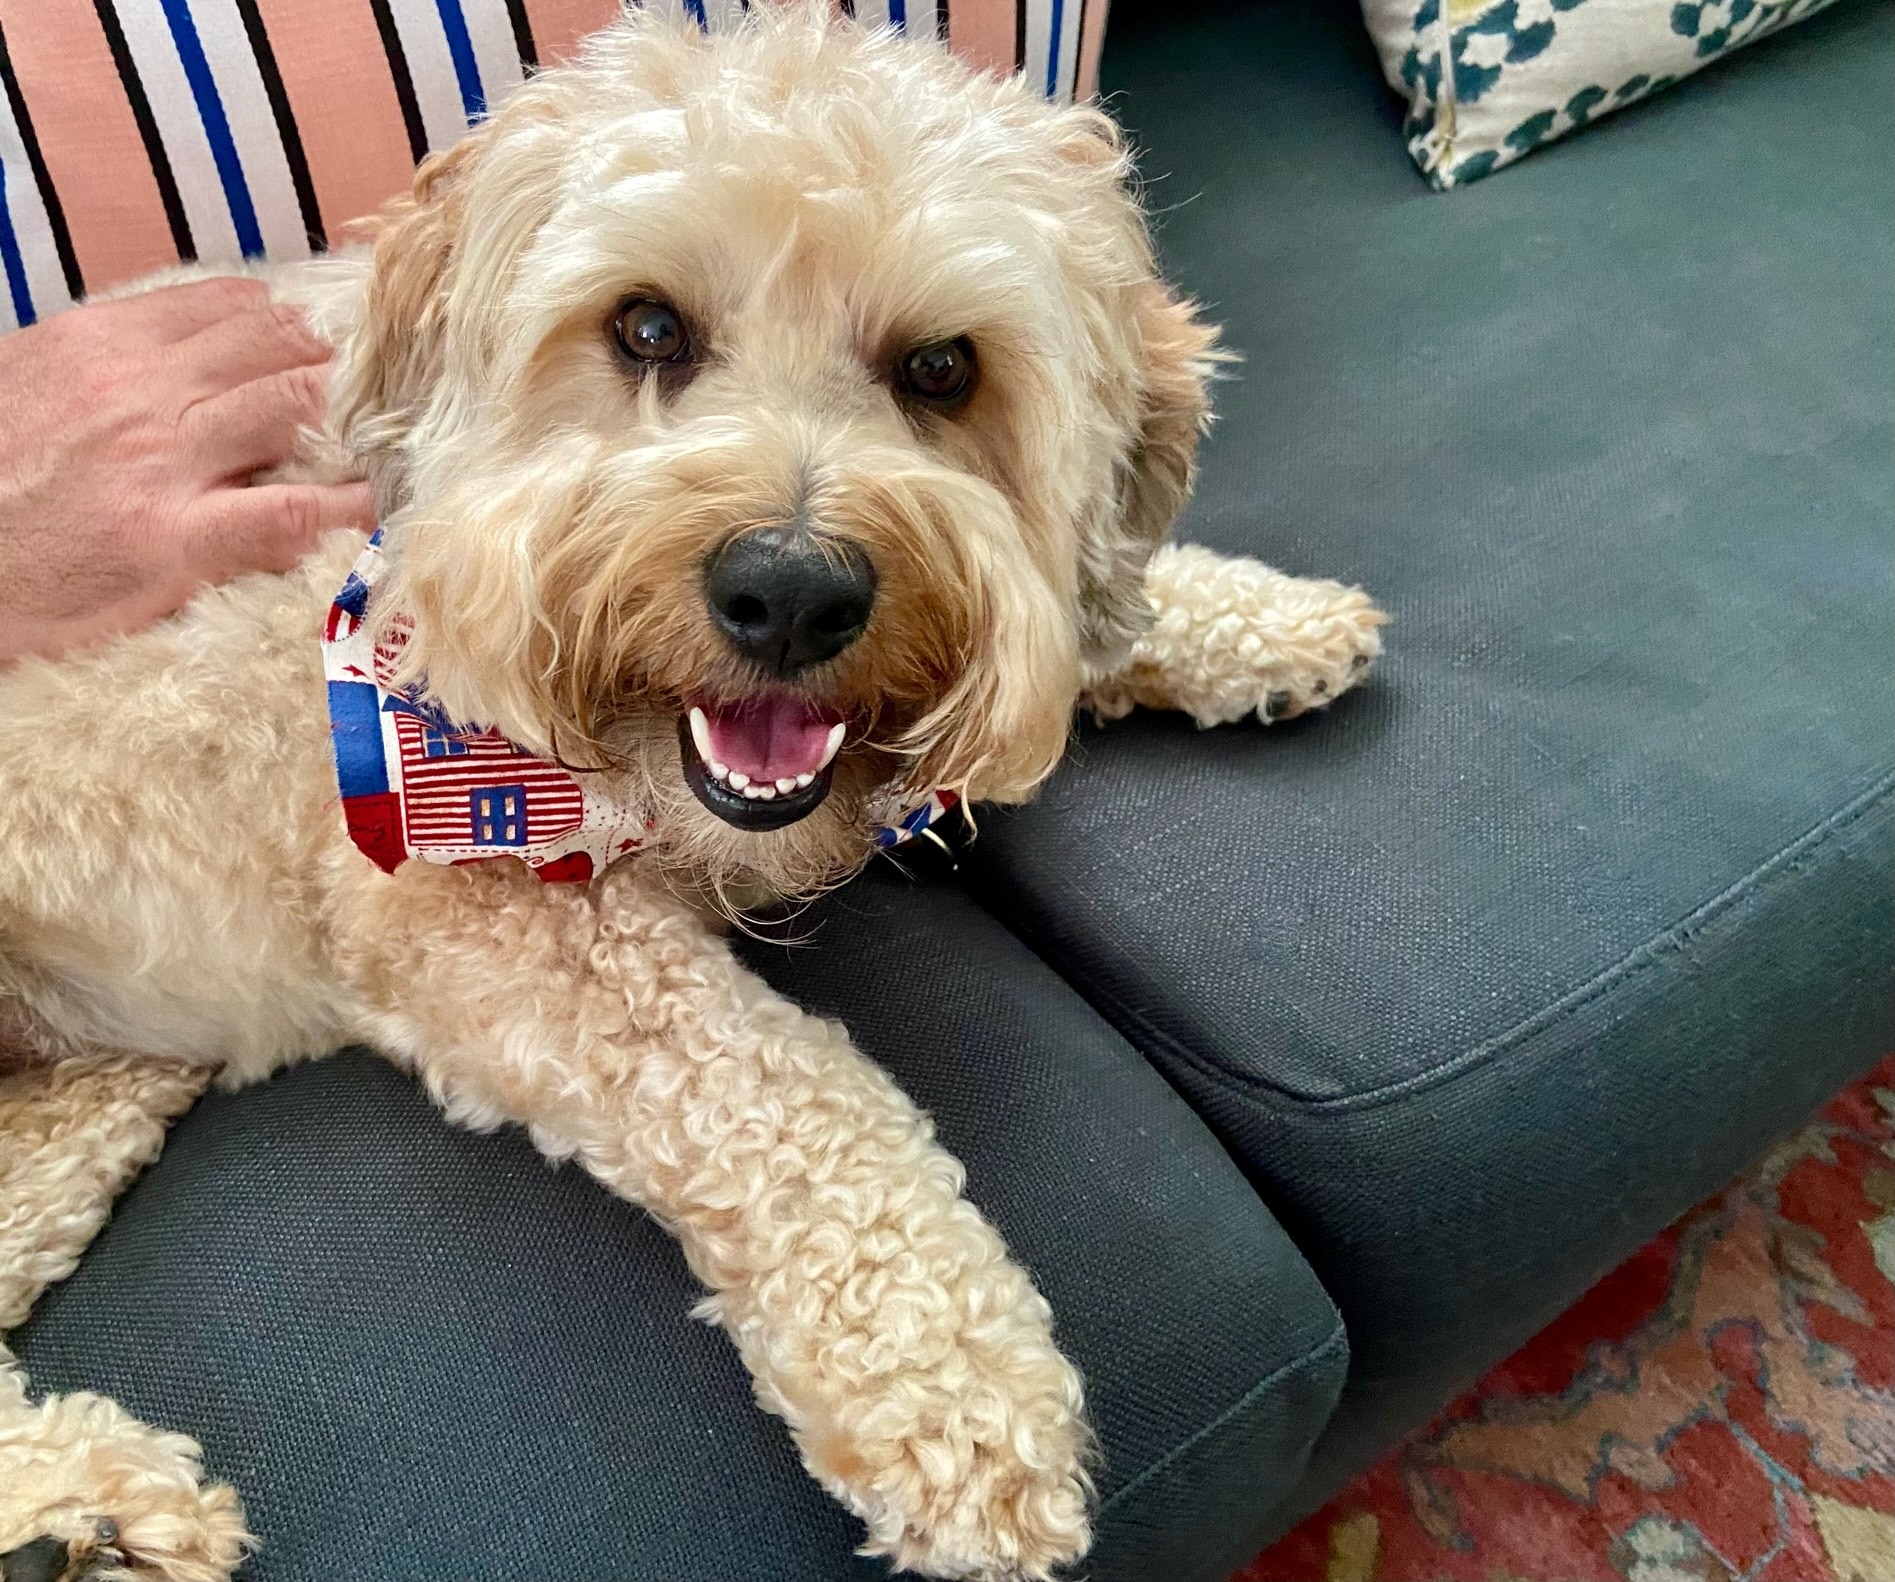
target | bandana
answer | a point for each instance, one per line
(417, 784)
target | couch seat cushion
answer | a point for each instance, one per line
(1518, 952)
(421, 1354)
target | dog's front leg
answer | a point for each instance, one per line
(1232, 637)
(878, 1312)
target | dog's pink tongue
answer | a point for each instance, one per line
(769, 738)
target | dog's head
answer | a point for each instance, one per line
(774, 419)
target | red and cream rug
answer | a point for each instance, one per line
(1720, 1408)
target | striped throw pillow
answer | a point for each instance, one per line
(139, 133)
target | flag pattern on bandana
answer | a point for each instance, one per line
(894, 826)
(415, 784)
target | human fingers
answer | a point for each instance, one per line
(174, 313)
(270, 527)
(257, 425)
(246, 346)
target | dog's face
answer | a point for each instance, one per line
(774, 420)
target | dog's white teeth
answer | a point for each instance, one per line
(737, 780)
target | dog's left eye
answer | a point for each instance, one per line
(650, 331)
(941, 372)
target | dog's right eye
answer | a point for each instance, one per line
(650, 331)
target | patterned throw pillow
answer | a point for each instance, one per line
(1490, 80)
(137, 133)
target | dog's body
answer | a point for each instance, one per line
(178, 882)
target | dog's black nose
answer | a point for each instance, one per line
(788, 599)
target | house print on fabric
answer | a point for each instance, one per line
(460, 788)
(414, 783)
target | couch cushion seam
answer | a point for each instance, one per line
(1640, 958)
(1316, 1354)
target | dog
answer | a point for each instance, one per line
(774, 434)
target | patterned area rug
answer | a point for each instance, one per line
(1720, 1408)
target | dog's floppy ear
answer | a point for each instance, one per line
(386, 367)
(1176, 355)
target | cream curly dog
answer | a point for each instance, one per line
(763, 426)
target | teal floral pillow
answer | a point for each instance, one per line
(1490, 80)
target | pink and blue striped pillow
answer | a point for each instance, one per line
(138, 133)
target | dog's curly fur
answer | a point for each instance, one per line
(178, 884)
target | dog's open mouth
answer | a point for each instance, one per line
(761, 763)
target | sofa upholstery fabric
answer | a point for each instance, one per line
(422, 1354)
(1523, 949)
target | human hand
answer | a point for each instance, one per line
(129, 431)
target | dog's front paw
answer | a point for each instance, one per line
(1234, 638)
(88, 1490)
(975, 1469)
(1320, 656)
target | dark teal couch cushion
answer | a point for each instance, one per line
(421, 1354)
(1494, 970)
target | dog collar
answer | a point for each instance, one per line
(415, 784)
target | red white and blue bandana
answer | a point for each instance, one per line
(416, 784)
